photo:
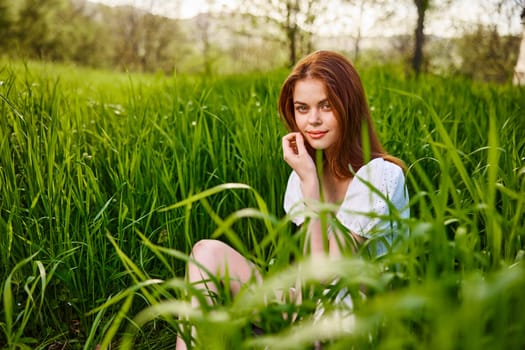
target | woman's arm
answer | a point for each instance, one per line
(296, 155)
(338, 242)
(377, 187)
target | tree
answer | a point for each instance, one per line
(488, 48)
(6, 23)
(519, 70)
(159, 35)
(204, 27)
(143, 41)
(359, 30)
(77, 36)
(486, 54)
(291, 22)
(379, 10)
(31, 28)
(417, 58)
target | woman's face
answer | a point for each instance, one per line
(313, 114)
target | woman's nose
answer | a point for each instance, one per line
(315, 116)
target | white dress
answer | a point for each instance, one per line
(363, 210)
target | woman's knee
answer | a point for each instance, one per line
(207, 248)
(217, 257)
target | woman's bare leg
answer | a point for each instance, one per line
(219, 259)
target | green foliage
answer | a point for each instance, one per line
(107, 180)
(132, 39)
(5, 23)
(486, 55)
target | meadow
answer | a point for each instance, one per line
(107, 179)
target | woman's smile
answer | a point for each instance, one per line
(316, 134)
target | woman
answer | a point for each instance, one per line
(324, 106)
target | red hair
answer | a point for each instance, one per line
(347, 98)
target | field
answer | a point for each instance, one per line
(107, 179)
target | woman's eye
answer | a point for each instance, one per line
(301, 109)
(326, 107)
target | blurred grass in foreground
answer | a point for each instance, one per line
(106, 180)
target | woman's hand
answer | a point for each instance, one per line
(296, 155)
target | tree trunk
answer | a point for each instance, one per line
(519, 70)
(358, 35)
(417, 59)
(291, 31)
(291, 38)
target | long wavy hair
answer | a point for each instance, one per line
(347, 98)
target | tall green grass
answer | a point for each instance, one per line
(106, 181)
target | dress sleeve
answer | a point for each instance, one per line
(368, 199)
(293, 199)
(375, 188)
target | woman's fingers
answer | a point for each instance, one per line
(290, 144)
(295, 153)
(299, 141)
(294, 143)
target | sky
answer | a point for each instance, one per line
(180, 8)
(461, 13)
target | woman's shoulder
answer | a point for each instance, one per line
(381, 167)
(383, 175)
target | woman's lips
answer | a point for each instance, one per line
(316, 134)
